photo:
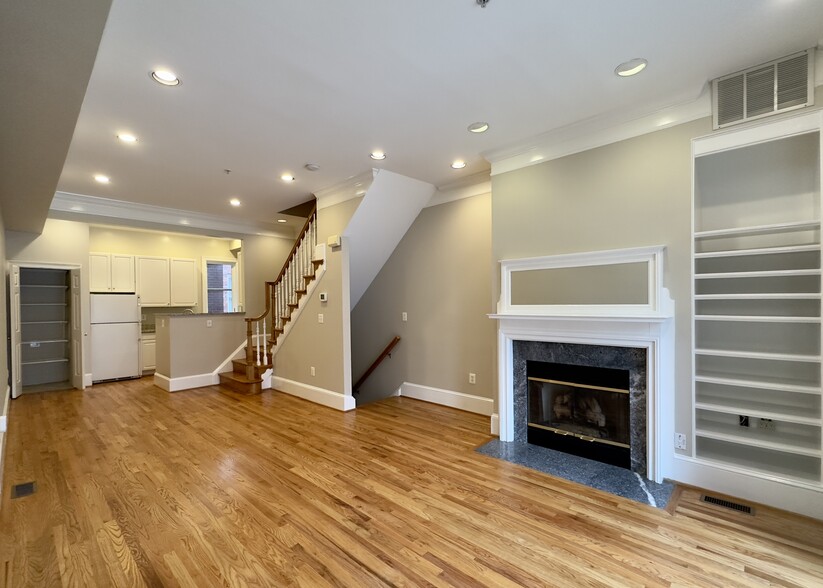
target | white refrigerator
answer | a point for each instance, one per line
(115, 336)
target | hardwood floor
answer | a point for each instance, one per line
(138, 487)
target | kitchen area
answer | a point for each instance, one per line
(132, 287)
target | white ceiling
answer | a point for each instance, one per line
(268, 86)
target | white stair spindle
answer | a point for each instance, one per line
(265, 345)
(257, 338)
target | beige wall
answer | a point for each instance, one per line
(440, 275)
(632, 193)
(64, 243)
(187, 346)
(162, 244)
(263, 258)
(325, 346)
(5, 392)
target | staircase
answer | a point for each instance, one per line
(283, 297)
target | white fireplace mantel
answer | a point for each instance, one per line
(650, 328)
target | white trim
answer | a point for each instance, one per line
(346, 190)
(777, 492)
(495, 424)
(659, 302)
(185, 382)
(467, 402)
(757, 132)
(314, 394)
(477, 184)
(656, 337)
(87, 380)
(595, 132)
(4, 416)
(95, 209)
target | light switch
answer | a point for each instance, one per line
(405, 316)
(320, 318)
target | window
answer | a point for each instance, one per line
(219, 287)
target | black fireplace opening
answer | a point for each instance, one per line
(582, 410)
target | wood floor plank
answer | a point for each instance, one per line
(138, 487)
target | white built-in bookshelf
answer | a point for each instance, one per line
(757, 299)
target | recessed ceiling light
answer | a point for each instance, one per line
(459, 164)
(77, 208)
(287, 178)
(631, 67)
(165, 77)
(184, 222)
(102, 179)
(378, 155)
(127, 138)
(282, 220)
(234, 202)
(478, 127)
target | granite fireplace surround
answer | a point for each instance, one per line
(630, 359)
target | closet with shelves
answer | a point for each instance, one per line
(44, 326)
(757, 299)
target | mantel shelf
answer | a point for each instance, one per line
(631, 318)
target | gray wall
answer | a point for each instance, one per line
(629, 194)
(440, 275)
(186, 346)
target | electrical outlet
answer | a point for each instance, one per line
(405, 316)
(765, 424)
(311, 369)
(679, 441)
(209, 323)
(743, 420)
(472, 378)
(320, 318)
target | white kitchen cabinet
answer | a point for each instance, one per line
(153, 284)
(183, 280)
(148, 352)
(111, 272)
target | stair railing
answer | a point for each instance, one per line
(283, 294)
(386, 353)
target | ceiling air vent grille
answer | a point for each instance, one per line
(764, 90)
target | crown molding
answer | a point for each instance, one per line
(595, 132)
(93, 209)
(354, 187)
(466, 187)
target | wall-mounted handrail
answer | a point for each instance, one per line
(386, 353)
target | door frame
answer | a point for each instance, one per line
(13, 350)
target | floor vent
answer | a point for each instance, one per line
(728, 504)
(22, 490)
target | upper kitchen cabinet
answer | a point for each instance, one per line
(153, 282)
(111, 272)
(183, 277)
(167, 282)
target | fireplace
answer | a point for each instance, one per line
(582, 410)
(547, 313)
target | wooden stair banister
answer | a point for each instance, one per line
(386, 353)
(283, 293)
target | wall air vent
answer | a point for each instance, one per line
(764, 90)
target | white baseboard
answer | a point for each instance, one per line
(778, 494)
(467, 402)
(314, 394)
(4, 413)
(87, 380)
(4, 421)
(186, 382)
(495, 428)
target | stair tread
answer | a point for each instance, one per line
(240, 378)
